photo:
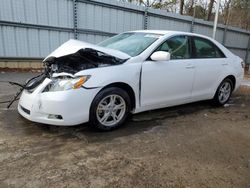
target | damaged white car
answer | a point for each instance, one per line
(129, 73)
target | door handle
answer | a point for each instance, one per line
(189, 66)
(224, 64)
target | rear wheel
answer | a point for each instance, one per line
(109, 109)
(223, 92)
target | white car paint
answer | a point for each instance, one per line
(155, 84)
(72, 105)
(160, 91)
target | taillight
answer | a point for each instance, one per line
(243, 64)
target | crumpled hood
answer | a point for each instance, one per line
(72, 46)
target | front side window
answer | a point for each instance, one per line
(177, 46)
(206, 49)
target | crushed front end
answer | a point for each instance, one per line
(58, 96)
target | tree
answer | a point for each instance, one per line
(210, 8)
(232, 12)
(236, 13)
(169, 5)
(241, 13)
(226, 11)
(189, 7)
(181, 6)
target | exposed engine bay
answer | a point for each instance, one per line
(70, 64)
(83, 59)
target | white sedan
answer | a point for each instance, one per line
(129, 73)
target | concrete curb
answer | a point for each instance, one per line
(21, 64)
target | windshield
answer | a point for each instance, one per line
(130, 43)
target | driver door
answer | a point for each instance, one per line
(167, 83)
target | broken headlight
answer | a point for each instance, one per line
(67, 83)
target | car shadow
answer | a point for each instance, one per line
(136, 123)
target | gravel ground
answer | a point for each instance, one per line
(194, 145)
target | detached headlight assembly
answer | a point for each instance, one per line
(67, 83)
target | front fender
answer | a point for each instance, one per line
(125, 73)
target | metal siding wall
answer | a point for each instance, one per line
(30, 10)
(248, 59)
(91, 38)
(28, 42)
(240, 53)
(6, 10)
(237, 39)
(33, 28)
(2, 46)
(107, 19)
(43, 12)
(167, 24)
(204, 30)
(33, 44)
(25, 42)
(9, 41)
(219, 35)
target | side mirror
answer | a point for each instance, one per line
(160, 56)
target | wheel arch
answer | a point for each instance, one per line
(126, 87)
(233, 79)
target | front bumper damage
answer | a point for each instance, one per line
(69, 107)
(64, 108)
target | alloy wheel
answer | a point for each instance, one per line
(224, 92)
(111, 110)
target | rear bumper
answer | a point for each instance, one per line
(238, 81)
(64, 108)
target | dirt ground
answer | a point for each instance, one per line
(194, 145)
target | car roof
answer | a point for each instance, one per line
(169, 32)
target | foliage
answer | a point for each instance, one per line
(232, 12)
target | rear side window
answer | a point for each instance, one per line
(206, 49)
(177, 46)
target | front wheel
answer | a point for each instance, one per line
(223, 92)
(109, 109)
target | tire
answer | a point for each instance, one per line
(223, 93)
(109, 109)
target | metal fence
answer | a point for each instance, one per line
(33, 28)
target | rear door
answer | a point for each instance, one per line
(209, 62)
